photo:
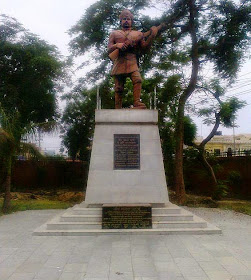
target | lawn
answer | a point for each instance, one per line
(42, 200)
(241, 206)
(23, 205)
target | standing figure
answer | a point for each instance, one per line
(123, 47)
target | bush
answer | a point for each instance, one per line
(220, 191)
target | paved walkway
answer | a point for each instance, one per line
(184, 257)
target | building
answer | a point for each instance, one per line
(227, 143)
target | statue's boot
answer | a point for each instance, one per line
(118, 100)
(136, 96)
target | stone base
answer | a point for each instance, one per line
(81, 220)
(107, 184)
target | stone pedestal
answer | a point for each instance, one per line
(126, 191)
(140, 177)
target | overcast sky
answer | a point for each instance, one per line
(52, 18)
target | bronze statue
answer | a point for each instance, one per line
(123, 47)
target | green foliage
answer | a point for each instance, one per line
(220, 191)
(29, 71)
(78, 124)
(190, 131)
(234, 178)
(229, 109)
(230, 34)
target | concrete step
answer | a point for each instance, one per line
(171, 217)
(74, 226)
(88, 222)
(80, 218)
(166, 210)
(180, 224)
(87, 211)
(180, 231)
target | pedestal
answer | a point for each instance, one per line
(126, 164)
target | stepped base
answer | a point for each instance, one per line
(80, 221)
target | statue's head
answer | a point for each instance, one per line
(126, 19)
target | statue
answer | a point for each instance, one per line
(123, 47)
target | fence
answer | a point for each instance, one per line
(231, 154)
(52, 174)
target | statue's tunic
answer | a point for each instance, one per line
(127, 60)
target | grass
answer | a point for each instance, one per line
(23, 205)
(241, 206)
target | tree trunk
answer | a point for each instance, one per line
(179, 178)
(7, 186)
(193, 29)
(209, 168)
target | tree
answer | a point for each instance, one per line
(200, 34)
(30, 70)
(222, 113)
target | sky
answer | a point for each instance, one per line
(51, 19)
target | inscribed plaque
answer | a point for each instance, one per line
(126, 151)
(126, 217)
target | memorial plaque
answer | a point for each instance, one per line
(126, 217)
(126, 151)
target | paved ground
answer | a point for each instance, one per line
(194, 257)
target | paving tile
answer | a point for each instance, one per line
(203, 256)
(170, 275)
(118, 251)
(185, 262)
(48, 273)
(147, 261)
(166, 266)
(121, 265)
(219, 275)
(180, 253)
(162, 257)
(22, 276)
(144, 268)
(116, 275)
(3, 257)
(211, 266)
(75, 267)
(71, 276)
(197, 278)
(146, 278)
(237, 270)
(6, 272)
(121, 243)
(159, 250)
(242, 277)
(30, 267)
(95, 278)
(58, 261)
(192, 271)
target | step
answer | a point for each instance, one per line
(172, 217)
(180, 224)
(159, 231)
(166, 210)
(80, 218)
(74, 226)
(164, 222)
(87, 211)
